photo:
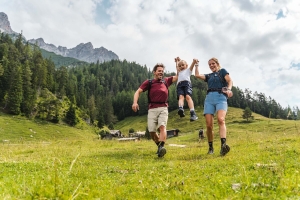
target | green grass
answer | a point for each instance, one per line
(60, 162)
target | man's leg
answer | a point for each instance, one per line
(162, 123)
(162, 139)
(154, 137)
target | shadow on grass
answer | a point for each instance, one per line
(241, 122)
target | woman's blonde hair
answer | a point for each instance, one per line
(216, 61)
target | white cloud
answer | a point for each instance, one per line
(255, 45)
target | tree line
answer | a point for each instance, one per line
(97, 93)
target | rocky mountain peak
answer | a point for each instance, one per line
(5, 24)
(83, 51)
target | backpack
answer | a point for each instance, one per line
(149, 87)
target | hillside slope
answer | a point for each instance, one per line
(234, 122)
(15, 129)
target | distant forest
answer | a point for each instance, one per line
(97, 93)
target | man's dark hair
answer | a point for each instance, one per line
(158, 65)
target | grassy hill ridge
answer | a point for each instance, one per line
(233, 118)
(263, 162)
(21, 129)
(16, 128)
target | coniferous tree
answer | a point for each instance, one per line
(247, 114)
(111, 126)
(14, 97)
(92, 110)
(100, 119)
(71, 116)
(29, 97)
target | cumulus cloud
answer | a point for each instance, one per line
(256, 41)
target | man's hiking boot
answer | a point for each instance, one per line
(193, 116)
(161, 151)
(210, 151)
(181, 112)
(224, 149)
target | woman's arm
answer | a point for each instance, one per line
(229, 85)
(197, 75)
(195, 61)
(229, 81)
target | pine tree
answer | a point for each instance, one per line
(14, 98)
(29, 97)
(71, 116)
(247, 114)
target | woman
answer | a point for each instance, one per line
(219, 89)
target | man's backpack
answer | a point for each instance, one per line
(149, 87)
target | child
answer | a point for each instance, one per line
(184, 87)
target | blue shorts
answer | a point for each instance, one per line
(215, 101)
(184, 88)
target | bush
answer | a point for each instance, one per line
(131, 130)
(103, 132)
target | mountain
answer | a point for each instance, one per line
(6, 28)
(4, 24)
(83, 52)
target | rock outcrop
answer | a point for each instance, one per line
(4, 24)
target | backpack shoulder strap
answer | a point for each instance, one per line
(224, 83)
(149, 87)
(149, 83)
(164, 81)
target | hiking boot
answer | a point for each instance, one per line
(181, 112)
(161, 151)
(210, 151)
(193, 116)
(224, 149)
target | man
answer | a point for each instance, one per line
(157, 105)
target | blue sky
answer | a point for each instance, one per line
(257, 41)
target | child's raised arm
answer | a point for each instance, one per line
(177, 59)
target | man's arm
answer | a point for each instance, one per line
(176, 62)
(175, 78)
(135, 105)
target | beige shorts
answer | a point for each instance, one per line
(157, 117)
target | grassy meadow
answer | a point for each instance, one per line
(40, 160)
